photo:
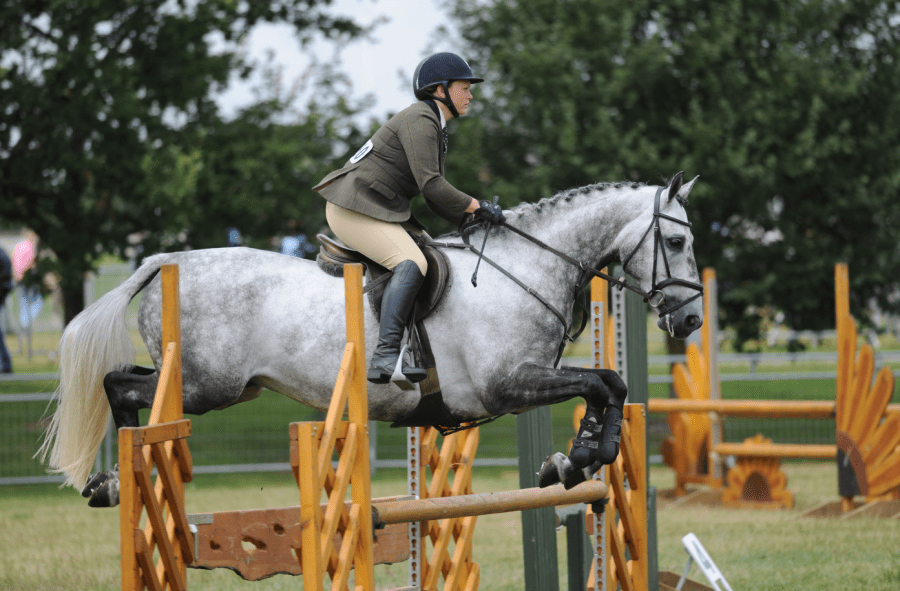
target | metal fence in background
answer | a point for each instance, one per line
(26, 314)
(255, 439)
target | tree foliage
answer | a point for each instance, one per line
(106, 103)
(787, 111)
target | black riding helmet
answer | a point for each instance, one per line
(441, 69)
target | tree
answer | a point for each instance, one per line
(253, 174)
(92, 90)
(788, 111)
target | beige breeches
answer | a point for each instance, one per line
(386, 243)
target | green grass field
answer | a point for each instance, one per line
(52, 541)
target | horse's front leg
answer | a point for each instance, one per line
(597, 440)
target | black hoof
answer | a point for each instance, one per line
(94, 482)
(107, 495)
(549, 475)
(574, 478)
(557, 468)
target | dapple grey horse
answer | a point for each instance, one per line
(253, 319)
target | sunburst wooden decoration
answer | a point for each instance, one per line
(868, 435)
(757, 481)
(685, 450)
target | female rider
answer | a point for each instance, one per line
(368, 199)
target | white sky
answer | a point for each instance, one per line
(373, 65)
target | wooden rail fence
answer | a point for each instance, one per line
(867, 438)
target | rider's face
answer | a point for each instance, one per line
(460, 94)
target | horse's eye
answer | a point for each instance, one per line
(676, 243)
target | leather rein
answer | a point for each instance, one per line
(656, 297)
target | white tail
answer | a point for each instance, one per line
(94, 343)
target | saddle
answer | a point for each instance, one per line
(334, 254)
(431, 410)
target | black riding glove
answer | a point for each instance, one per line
(489, 212)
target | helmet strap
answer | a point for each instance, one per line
(446, 99)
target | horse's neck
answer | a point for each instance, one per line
(586, 227)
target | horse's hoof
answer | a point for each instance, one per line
(107, 495)
(574, 478)
(94, 482)
(549, 474)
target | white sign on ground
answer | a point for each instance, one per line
(697, 553)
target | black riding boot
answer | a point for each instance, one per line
(396, 307)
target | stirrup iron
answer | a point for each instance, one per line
(398, 378)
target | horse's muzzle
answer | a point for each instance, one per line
(679, 326)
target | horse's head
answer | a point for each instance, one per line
(656, 248)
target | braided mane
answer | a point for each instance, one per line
(567, 195)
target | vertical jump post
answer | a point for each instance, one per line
(160, 445)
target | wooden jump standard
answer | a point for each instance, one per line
(339, 535)
(867, 446)
(161, 444)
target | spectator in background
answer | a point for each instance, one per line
(6, 285)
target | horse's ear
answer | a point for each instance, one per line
(685, 189)
(675, 185)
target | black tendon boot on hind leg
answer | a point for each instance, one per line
(396, 307)
(597, 440)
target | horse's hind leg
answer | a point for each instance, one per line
(127, 392)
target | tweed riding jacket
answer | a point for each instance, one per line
(404, 158)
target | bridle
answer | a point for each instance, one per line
(656, 298)
(656, 295)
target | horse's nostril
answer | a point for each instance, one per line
(693, 322)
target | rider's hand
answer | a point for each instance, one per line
(489, 212)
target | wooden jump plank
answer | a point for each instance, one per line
(162, 432)
(459, 570)
(778, 450)
(168, 388)
(623, 507)
(348, 546)
(487, 503)
(617, 551)
(798, 409)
